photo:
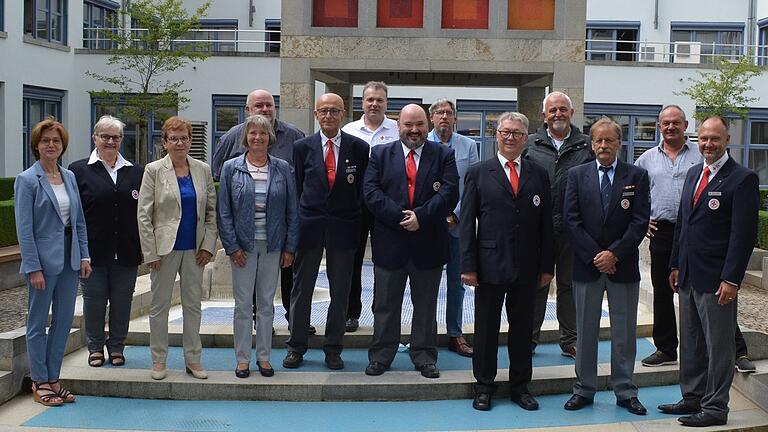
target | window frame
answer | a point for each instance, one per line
(272, 24)
(63, 16)
(109, 7)
(2, 15)
(614, 27)
(718, 27)
(632, 112)
(762, 42)
(47, 97)
(486, 145)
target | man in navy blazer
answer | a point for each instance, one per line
(607, 208)
(411, 186)
(507, 251)
(329, 168)
(714, 235)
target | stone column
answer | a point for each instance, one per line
(569, 79)
(529, 103)
(297, 93)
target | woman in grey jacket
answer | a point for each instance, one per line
(258, 226)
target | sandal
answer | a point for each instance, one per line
(45, 396)
(116, 359)
(96, 359)
(65, 395)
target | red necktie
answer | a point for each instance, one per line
(702, 184)
(514, 180)
(410, 172)
(330, 164)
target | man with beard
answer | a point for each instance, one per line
(411, 186)
(443, 115)
(558, 146)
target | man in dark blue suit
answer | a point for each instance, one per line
(714, 236)
(507, 251)
(411, 186)
(329, 179)
(607, 208)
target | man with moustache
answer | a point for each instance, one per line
(558, 146)
(714, 236)
(261, 102)
(506, 244)
(443, 116)
(606, 213)
(374, 128)
(411, 186)
(329, 166)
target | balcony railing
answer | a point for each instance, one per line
(671, 52)
(204, 39)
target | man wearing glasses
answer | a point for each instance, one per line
(443, 116)
(329, 168)
(558, 146)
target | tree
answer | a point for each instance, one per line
(141, 58)
(723, 91)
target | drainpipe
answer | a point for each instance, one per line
(656, 15)
(750, 41)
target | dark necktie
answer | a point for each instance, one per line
(330, 164)
(605, 189)
(410, 172)
(702, 185)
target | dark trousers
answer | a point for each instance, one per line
(664, 321)
(566, 309)
(113, 284)
(519, 302)
(355, 304)
(286, 285)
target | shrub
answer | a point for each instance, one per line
(7, 224)
(6, 188)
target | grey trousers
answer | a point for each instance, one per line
(338, 267)
(622, 309)
(566, 309)
(258, 278)
(111, 283)
(183, 263)
(706, 350)
(387, 310)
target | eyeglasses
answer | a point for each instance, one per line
(514, 134)
(107, 137)
(328, 111)
(441, 113)
(48, 141)
(177, 139)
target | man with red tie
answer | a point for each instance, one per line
(329, 169)
(411, 186)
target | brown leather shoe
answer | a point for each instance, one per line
(460, 346)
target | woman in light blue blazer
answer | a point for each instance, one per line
(259, 227)
(53, 241)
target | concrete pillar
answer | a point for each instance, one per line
(569, 79)
(529, 103)
(297, 93)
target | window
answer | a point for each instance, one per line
(46, 20)
(38, 104)
(762, 42)
(614, 41)
(638, 126)
(717, 39)
(400, 13)
(531, 15)
(217, 35)
(476, 119)
(97, 16)
(334, 13)
(229, 111)
(272, 27)
(465, 14)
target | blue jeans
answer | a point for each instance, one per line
(454, 302)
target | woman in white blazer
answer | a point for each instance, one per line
(177, 230)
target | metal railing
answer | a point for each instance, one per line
(203, 39)
(681, 52)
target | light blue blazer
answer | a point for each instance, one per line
(39, 226)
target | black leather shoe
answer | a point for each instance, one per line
(682, 407)
(701, 419)
(242, 373)
(428, 370)
(525, 400)
(482, 402)
(375, 368)
(334, 361)
(265, 371)
(352, 325)
(311, 330)
(577, 402)
(292, 360)
(632, 405)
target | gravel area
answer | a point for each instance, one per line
(13, 308)
(753, 302)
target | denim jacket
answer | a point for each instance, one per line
(237, 207)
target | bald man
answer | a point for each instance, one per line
(411, 186)
(329, 168)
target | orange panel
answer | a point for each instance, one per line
(400, 13)
(465, 14)
(531, 15)
(334, 13)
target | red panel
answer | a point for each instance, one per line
(334, 13)
(531, 15)
(465, 14)
(400, 13)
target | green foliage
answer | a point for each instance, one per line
(762, 230)
(6, 188)
(7, 224)
(723, 91)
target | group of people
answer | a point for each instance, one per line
(553, 202)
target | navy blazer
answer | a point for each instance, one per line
(386, 194)
(330, 216)
(620, 232)
(110, 211)
(39, 226)
(506, 238)
(714, 239)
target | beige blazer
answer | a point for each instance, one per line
(159, 210)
